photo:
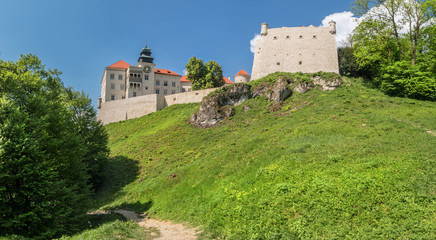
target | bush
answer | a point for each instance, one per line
(405, 80)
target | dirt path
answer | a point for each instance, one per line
(168, 230)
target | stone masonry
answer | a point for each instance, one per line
(295, 49)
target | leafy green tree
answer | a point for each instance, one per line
(348, 65)
(392, 33)
(209, 75)
(44, 172)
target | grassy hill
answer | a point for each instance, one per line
(350, 163)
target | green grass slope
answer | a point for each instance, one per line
(350, 163)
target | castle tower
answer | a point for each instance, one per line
(332, 27)
(242, 76)
(295, 49)
(264, 29)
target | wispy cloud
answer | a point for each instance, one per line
(253, 42)
(345, 24)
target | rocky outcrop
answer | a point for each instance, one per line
(218, 105)
(327, 84)
(277, 92)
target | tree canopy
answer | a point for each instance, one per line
(51, 151)
(394, 44)
(209, 75)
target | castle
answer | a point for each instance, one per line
(129, 91)
(133, 91)
(295, 49)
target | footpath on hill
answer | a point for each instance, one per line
(166, 229)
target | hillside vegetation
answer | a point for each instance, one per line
(349, 163)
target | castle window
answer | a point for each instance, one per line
(122, 87)
(139, 85)
(287, 37)
(120, 77)
(165, 83)
(314, 36)
(173, 84)
(300, 62)
(275, 38)
(112, 76)
(301, 36)
(131, 74)
(157, 91)
(134, 94)
(173, 91)
(139, 75)
(112, 86)
(278, 63)
(183, 90)
(112, 97)
(146, 88)
(157, 83)
(134, 75)
(123, 97)
(146, 77)
(131, 84)
(165, 92)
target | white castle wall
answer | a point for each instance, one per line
(295, 49)
(187, 97)
(119, 110)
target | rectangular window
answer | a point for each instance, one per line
(165, 92)
(146, 77)
(157, 91)
(173, 91)
(120, 77)
(112, 97)
(112, 86)
(173, 84)
(157, 83)
(122, 87)
(112, 76)
(165, 83)
(183, 90)
(134, 94)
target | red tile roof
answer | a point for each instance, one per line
(227, 80)
(242, 72)
(165, 71)
(120, 65)
(185, 79)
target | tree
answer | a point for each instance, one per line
(395, 42)
(209, 75)
(44, 172)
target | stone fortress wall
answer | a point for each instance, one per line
(295, 49)
(129, 108)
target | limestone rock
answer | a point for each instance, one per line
(210, 113)
(327, 84)
(280, 90)
(234, 94)
(277, 92)
(303, 87)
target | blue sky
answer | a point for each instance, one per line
(80, 38)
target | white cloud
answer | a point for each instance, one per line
(345, 24)
(253, 42)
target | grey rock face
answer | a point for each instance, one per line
(327, 85)
(280, 90)
(217, 107)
